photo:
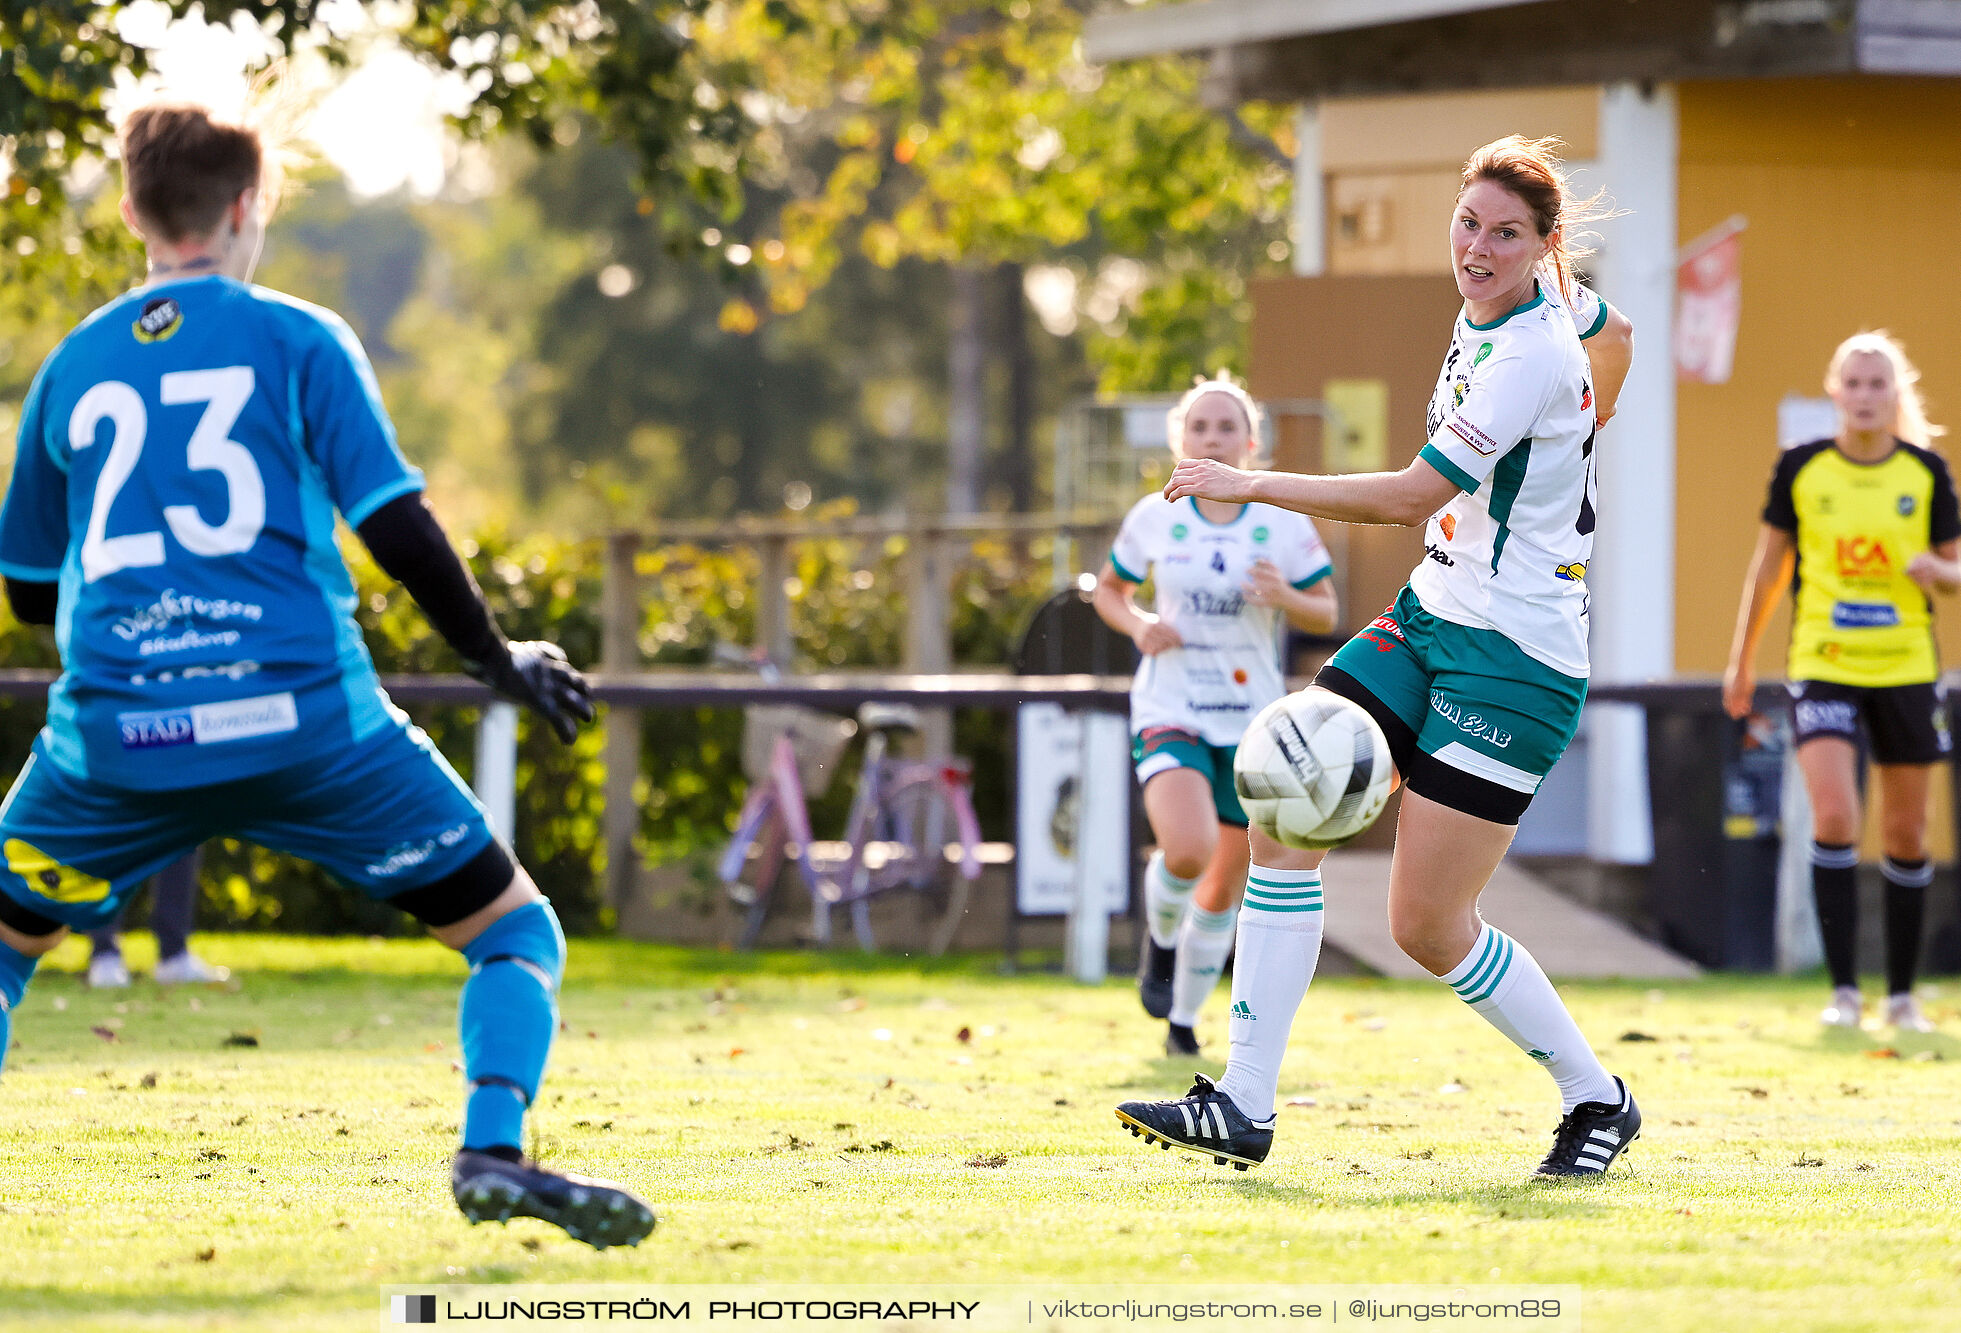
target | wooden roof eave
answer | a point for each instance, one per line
(1557, 42)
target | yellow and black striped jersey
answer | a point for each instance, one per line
(1858, 619)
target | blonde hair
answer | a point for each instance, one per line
(278, 105)
(1535, 171)
(1223, 383)
(1910, 418)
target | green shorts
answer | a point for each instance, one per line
(1473, 722)
(1157, 750)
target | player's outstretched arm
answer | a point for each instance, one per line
(1405, 498)
(411, 548)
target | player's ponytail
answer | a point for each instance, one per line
(1534, 170)
(1910, 418)
(1223, 383)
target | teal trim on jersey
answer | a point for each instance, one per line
(1193, 501)
(26, 574)
(1505, 485)
(1123, 573)
(1599, 323)
(395, 490)
(1538, 299)
(63, 732)
(1453, 474)
(1326, 571)
(367, 708)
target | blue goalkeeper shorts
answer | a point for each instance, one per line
(386, 816)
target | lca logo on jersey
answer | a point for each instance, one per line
(1858, 556)
(160, 319)
(50, 878)
(1448, 522)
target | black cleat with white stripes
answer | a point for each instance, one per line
(1204, 1120)
(1592, 1135)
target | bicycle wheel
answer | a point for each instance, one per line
(914, 825)
(750, 881)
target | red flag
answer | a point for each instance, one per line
(1708, 301)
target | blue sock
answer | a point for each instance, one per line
(15, 968)
(507, 1018)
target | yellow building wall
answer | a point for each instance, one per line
(1393, 166)
(1852, 191)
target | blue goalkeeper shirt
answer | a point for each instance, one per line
(180, 460)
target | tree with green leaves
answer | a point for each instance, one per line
(971, 133)
(627, 65)
(783, 138)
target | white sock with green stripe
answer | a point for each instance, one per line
(1503, 982)
(1165, 896)
(1203, 943)
(1279, 944)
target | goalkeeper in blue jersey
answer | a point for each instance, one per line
(181, 458)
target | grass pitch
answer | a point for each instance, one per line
(266, 1156)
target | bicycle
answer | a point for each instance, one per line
(912, 825)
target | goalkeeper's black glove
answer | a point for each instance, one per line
(538, 676)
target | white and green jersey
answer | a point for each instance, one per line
(1512, 424)
(1229, 668)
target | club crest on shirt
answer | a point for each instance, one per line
(161, 318)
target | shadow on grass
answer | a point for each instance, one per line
(1523, 1199)
(1901, 1045)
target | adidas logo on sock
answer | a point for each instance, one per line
(1241, 1009)
(1543, 1057)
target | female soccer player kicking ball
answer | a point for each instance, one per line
(1476, 673)
(1226, 575)
(181, 458)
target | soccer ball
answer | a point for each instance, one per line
(1313, 770)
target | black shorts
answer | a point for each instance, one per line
(1907, 724)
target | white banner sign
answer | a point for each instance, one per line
(1060, 835)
